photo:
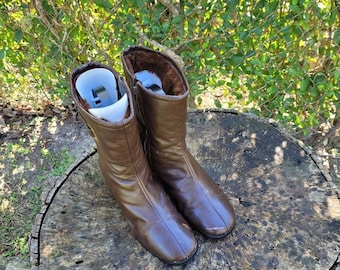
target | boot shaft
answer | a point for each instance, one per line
(117, 142)
(164, 116)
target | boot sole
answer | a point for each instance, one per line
(183, 261)
(214, 236)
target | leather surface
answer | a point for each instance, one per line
(152, 217)
(195, 194)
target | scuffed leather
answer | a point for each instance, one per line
(152, 217)
(194, 193)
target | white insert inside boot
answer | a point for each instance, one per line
(99, 88)
(150, 81)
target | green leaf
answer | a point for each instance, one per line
(304, 84)
(257, 31)
(209, 55)
(296, 30)
(177, 19)
(236, 60)
(230, 43)
(327, 114)
(199, 101)
(336, 37)
(2, 54)
(205, 45)
(218, 103)
(271, 7)
(18, 35)
(103, 4)
(199, 52)
(243, 35)
(220, 83)
(319, 78)
(314, 92)
(237, 95)
(337, 74)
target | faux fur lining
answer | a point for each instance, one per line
(172, 80)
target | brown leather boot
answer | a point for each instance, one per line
(152, 217)
(194, 193)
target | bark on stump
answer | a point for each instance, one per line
(288, 210)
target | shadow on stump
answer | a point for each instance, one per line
(287, 211)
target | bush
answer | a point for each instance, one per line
(277, 59)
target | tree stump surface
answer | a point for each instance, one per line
(288, 211)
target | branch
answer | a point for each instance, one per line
(179, 61)
(44, 19)
(170, 6)
(93, 41)
(331, 133)
(179, 47)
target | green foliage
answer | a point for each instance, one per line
(279, 59)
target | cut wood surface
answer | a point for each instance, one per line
(288, 210)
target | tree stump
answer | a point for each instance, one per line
(288, 211)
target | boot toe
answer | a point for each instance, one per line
(172, 243)
(220, 231)
(220, 213)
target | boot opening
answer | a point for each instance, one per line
(150, 81)
(138, 59)
(100, 95)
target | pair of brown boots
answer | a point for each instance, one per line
(144, 160)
